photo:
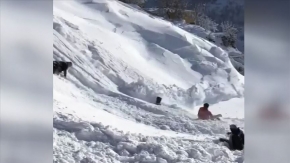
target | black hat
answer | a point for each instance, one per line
(233, 126)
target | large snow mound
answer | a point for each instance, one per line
(123, 58)
(100, 128)
(94, 142)
(116, 47)
(235, 55)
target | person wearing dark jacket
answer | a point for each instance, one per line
(236, 139)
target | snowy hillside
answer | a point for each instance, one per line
(237, 57)
(123, 59)
(219, 11)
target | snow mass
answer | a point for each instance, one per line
(123, 58)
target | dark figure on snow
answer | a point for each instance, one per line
(158, 101)
(61, 66)
(236, 138)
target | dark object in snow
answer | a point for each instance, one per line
(158, 101)
(61, 66)
(236, 138)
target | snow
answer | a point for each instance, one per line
(123, 58)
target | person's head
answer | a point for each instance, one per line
(206, 105)
(234, 128)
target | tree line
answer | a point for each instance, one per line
(193, 14)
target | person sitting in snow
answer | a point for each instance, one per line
(236, 138)
(205, 114)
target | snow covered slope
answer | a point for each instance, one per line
(113, 130)
(237, 57)
(219, 11)
(122, 59)
(118, 48)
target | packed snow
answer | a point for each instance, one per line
(123, 58)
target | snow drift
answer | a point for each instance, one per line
(97, 143)
(115, 46)
(122, 59)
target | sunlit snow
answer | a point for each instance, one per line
(123, 58)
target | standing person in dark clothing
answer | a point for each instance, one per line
(236, 138)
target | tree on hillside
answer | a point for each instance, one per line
(140, 3)
(174, 9)
(201, 19)
(198, 12)
(207, 23)
(229, 33)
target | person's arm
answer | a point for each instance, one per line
(242, 137)
(225, 140)
(210, 115)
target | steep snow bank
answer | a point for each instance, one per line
(235, 56)
(96, 143)
(122, 59)
(117, 47)
(99, 128)
(130, 115)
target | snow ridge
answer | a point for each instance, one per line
(123, 58)
(158, 56)
(94, 142)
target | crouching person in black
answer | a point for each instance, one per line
(61, 66)
(236, 138)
